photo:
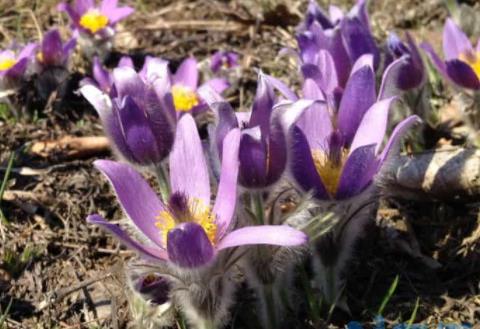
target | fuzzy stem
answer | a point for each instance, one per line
(257, 207)
(269, 309)
(206, 324)
(162, 182)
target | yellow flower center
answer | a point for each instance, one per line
(199, 213)
(40, 57)
(93, 20)
(7, 63)
(328, 170)
(184, 98)
(473, 60)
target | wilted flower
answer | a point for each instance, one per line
(95, 20)
(14, 64)
(186, 230)
(412, 73)
(345, 37)
(336, 154)
(53, 52)
(263, 145)
(135, 119)
(462, 60)
(223, 59)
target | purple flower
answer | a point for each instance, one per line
(263, 145)
(186, 230)
(185, 90)
(345, 37)
(223, 59)
(12, 64)
(336, 153)
(53, 52)
(95, 20)
(409, 71)
(462, 60)
(153, 288)
(135, 119)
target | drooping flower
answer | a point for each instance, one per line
(263, 144)
(336, 153)
(13, 64)
(223, 59)
(95, 20)
(412, 73)
(186, 230)
(136, 120)
(53, 52)
(462, 60)
(346, 37)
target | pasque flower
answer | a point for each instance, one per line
(179, 91)
(336, 153)
(462, 60)
(53, 52)
(412, 73)
(13, 64)
(134, 117)
(223, 59)
(263, 144)
(94, 20)
(346, 37)
(186, 230)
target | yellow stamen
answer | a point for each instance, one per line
(184, 98)
(329, 171)
(93, 20)
(200, 214)
(165, 223)
(40, 57)
(473, 60)
(7, 63)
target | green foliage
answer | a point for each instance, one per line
(388, 296)
(15, 263)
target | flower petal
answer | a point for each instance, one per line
(188, 167)
(128, 83)
(219, 85)
(101, 75)
(188, 246)
(150, 253)
(136, 197)
(187, 73)
(398, 133)
(262, 105)
(225, 202)
(462, 74)
(303, 168)
(52, 48)
(359, 95)
(455, 42)
(253, 159)
(357, 172)
(277, 235)
(373, 126)
(138, 133)
(359, 40)
(119, 13)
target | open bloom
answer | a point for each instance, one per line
(223, 59)
(345, 36)
(412, 74)
(53, 52)
(180, 92)
(95, 20)
(186, 230)
(184, 87)
(462, 60)
(336, 153)
(263, 144)
(135, 119)
(12, 64)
